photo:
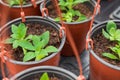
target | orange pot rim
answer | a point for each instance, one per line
(93, 3)
(24, 6)
(44, 59)
(94, 54)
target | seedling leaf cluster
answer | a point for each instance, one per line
(33, 46)
(15, 2)
(113, 34)
(68, 12)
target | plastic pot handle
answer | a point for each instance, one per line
(89, 40)
(34, 3)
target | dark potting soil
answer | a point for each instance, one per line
(101, 45)
(37, 29)
(82, 8)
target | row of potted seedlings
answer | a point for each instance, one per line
(37, 42)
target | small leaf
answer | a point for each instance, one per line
(15, 36)
(51, 49)
(110, 25)
(45, 38)
(15, 44)
(29, 37)
(9, 41)
(44, 76)
(110, 56)
(26, 44)
(112, 32)
(14, 29)
(41, 55)
(28, 56)
(106, 35)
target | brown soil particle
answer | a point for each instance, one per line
(101, 44)
(37, 29)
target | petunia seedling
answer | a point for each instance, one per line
(116, 53)
(111, 33)
(33, 46)
(67, 7)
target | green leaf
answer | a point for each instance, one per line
(111, 24)
(117, 35)
(110, 56)
(9, 41)
(29, 37)
(45, 38)
(51, 49)
(35, 39)
(26, 44)
(44, 76)
(28, 56)
(22, 30)
(15, 44)
(41, 55)
(57, 19)
(15, 36)
(14, 29)
(105, 34)
(112, 31)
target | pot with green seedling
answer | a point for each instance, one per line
(14, 8)
(76, 15)
(105, 56)
(45, 73)
(33, 43)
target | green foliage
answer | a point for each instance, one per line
(116, 55)
(15, 2)
(44, 76)
(111, 33)
(33, 46)
(67, 7)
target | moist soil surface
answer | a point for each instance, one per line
(101, 45)
(82, 8)
(37, 29)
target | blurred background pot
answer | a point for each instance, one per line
(14, 11)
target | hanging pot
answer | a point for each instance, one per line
(78, 30)
(14, 11)
(99, 68)
(52, 59)
(52, 71)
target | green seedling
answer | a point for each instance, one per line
(116, 55)
(15, 2)
(44, 76)
(33, 46)
(67, 7)
(111, 33)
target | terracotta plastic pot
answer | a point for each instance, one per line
(53, 59)
(100, 69)
(78, 30)
(52, 71)
(14, 11)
